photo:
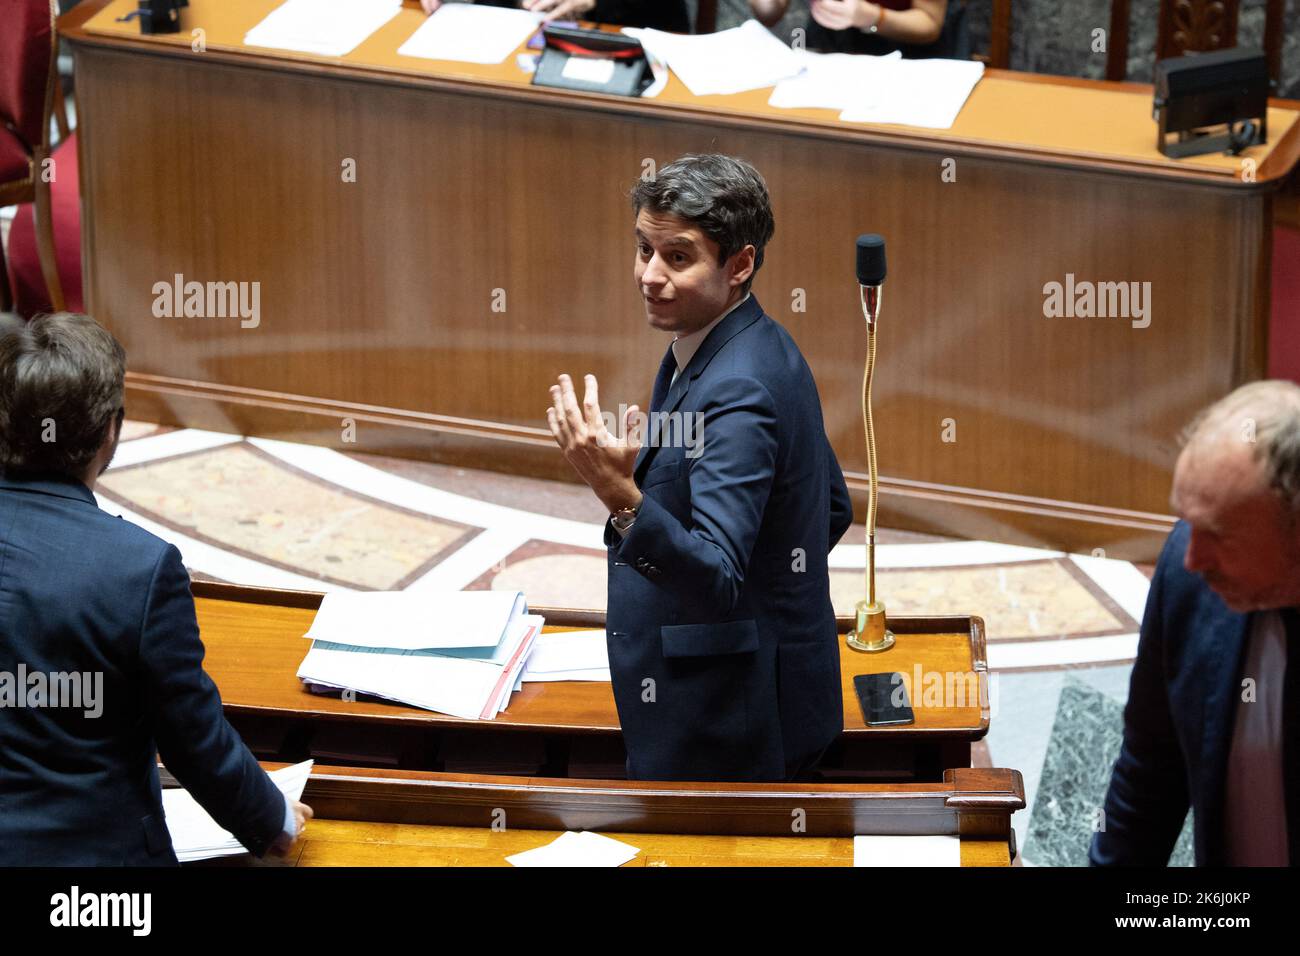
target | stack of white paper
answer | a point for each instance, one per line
(196, 836)
(449, 620)
(460, 653)
(323, 27)
(747, 57)
(568, 655)
(471, 34)
(834, 81)
(918, 93)
(577, 849)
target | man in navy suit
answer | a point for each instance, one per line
(1213, 715)
(723, 648)
(101, 666)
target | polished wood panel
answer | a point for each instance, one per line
(1059, 121)
(706, 16)
(254, 641)
(377, 295)
(341, 843)
(404, 818)
(964, 801)
(1000, 35)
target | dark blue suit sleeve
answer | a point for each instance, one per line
(841, 503)
(1147, 800)
(194, 739)
(704, 567)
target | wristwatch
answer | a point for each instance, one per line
(880, 18)
(622, 519)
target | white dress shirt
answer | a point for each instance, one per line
(684, 349)
(1255, 829)
(685, 346)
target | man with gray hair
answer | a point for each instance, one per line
(723, 648)
(1213, 716)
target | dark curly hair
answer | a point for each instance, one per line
(726, 197)
(62, 379)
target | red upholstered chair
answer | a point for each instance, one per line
(31, 297)
(28, 78)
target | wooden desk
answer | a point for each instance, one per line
(404, 818)
(377, 295)
(347, 843)
(254, 641)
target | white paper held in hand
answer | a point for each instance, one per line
(196, 836)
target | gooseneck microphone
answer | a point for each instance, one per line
(871, 275)
(870, 631)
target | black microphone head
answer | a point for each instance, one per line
(871, 259)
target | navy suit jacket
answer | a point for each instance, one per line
(723, 648)
(1178, 722)
(83, 591)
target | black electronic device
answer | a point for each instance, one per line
(884, 699)
(592, 61)
(157, 16)
(1195, 93)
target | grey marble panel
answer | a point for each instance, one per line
(1085, 741)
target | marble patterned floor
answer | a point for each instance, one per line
(1062, 628)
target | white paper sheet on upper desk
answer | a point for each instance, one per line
(833, 81)
(928, 93)
(471, 34)
(747, 57)
(322, 27)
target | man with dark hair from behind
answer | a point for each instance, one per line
(723, 649)
(92, 602)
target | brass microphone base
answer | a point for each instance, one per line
(870, 634)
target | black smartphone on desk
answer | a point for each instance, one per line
(884, 699)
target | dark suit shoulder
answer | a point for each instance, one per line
(763, 350)
(79, 556)
(126, 538)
